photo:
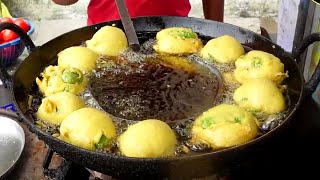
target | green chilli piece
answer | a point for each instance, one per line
(254, 111)
(72, 76)
(238, 120)
(212, 57)
(257, 62)
(187, 34)
(207, 122)
(103, 142)
(244, 99)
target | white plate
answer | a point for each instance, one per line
(12, 140)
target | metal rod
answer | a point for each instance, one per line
(128, 25)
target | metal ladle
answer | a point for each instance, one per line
(128, 25)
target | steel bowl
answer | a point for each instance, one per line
(12, 141)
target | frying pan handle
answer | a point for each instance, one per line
(23, 36)
(312, 84)
(265, 33)
(4, 76)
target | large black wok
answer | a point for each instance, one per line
(180, 167)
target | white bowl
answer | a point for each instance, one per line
(12, 141)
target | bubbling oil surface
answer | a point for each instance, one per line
(154, 88)
(140, 85)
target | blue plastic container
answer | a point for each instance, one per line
(10, 51)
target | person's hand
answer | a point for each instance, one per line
(65, 2)
(213, 9)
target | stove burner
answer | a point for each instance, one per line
(67, 169)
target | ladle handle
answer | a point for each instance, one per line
(128, 25)
(312, 84)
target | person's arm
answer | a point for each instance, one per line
(65, 2)
(213, 9)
